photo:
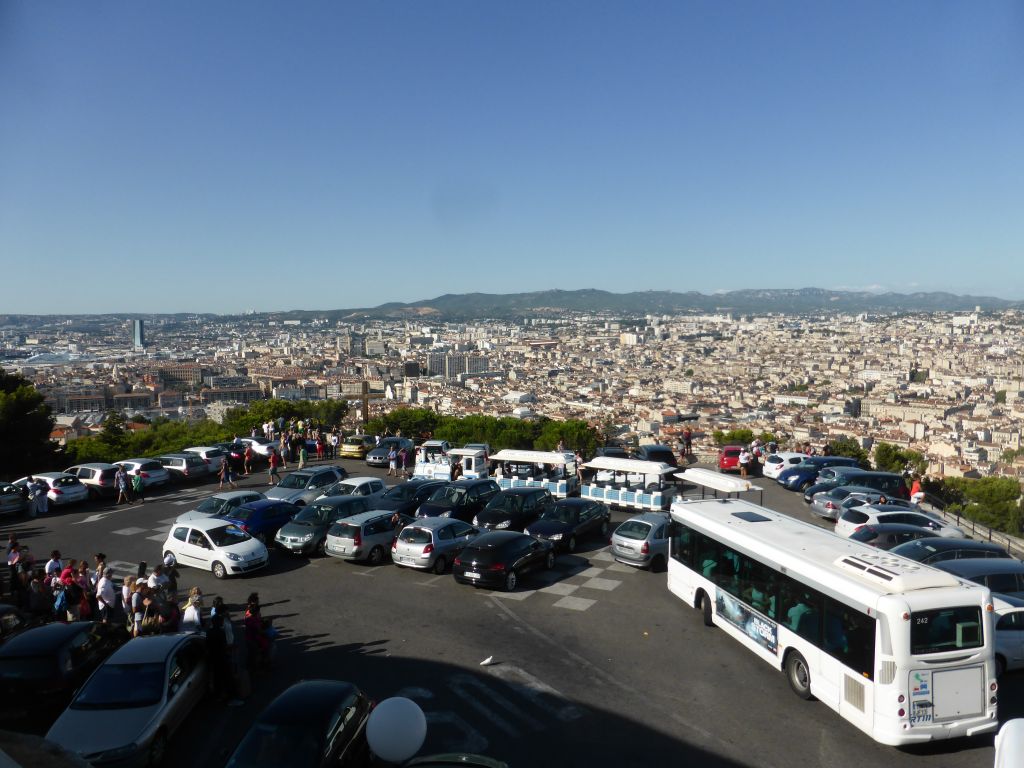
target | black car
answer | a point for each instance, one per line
(514, 509)
(42, 667)
(406, 498)
(934, 549)
(498, 558)
(461, 499)
(313, 724)
(888, 535)
(660, 453)
(569, 520)
(612, 451)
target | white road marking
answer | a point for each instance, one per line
(179, 503)
(514, 595)
(604, 555)
(130, 531)
(473, 691)
(158, 537)
(161, 528)
(169, 520)
(560, 589)
(591, 572)
(97, 517)
(605, 584)
(575, 603)
(540, 693)
(620, 568)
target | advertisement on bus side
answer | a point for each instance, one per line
(742, 616)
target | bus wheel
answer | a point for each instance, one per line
(799, 675)
(705, 603)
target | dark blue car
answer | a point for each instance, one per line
(262, 519)
(803, 475)
(570, 520)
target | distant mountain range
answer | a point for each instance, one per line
(782, 300)
(469, 306)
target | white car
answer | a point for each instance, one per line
(370, 488)
(215, 545)
(63, 488)
(873, 514)
(151, 471)
(261, 446)
(776, 462)
(1009, 633)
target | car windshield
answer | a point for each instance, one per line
(315, 513)
(505, 502)
(28, 668)
(241, 513)
(415, 535)
(865, 534)
(449, 493)
(226, 535)
(946, 629)
(294, 481)
(122, 686)
(342, 489)
(212, 505)
(403, 492)
(633, 529)
(268, 745)
(65, 481)
(558, 513)
(344, 530)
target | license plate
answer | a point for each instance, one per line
(341, 549)
(472, 575)
(921, 713)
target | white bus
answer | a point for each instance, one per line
(901, 650)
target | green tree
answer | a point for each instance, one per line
(733, 437)
(25, 424)
(1001, 397)
(892, 458)
(847, 446)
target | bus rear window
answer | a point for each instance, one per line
(946, 629)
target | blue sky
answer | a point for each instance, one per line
(197, 156)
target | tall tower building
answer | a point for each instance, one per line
(138, 335)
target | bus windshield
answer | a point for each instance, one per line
(946, 629)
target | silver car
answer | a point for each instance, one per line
(304, 485)
(12, 500)
(642, 541)
(97, 477)
(828, 503)
(134, 701)
(367, 536)
(432, 543)
(219, 504)
(370, 488)
(62, 488)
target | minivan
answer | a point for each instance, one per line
(805, 474)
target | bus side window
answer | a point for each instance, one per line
(682, 544)
(802, 609)
(850, 637)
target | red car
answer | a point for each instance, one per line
(729, 458)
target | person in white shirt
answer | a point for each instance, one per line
(745, 459)
(157, 579)
(192, 619)
(105, 595)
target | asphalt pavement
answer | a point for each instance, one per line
(593, 664)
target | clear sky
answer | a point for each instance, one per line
(221, 156)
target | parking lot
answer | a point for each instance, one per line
(592, 663)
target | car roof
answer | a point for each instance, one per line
(433, 522)
(970, 567)
(233, 494)
(262, 504)
(38, 641)
(942, 543)
(192, 448)
(176, 456)
(52, 475)
(786, 454)
(308, 700)
(336, 501)
(575, 501)
(95, 465)
(206, 523)
(522, 491)
(892, 528)
(149, 649)
(470, 481)
(653, 518)
(372, 514)
(136, 460)
(494, 539)
(358, 480)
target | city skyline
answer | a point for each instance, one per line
(241, 157)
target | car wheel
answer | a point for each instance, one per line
(799, 675)
(604, 529)
(549, 562)
(805, 485)
(376, 556)
(571, 544)
(510, 581)
(440, 565)
(157, 751)
(1000, 665)
(219, 570)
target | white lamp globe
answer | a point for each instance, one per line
(396, 729)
